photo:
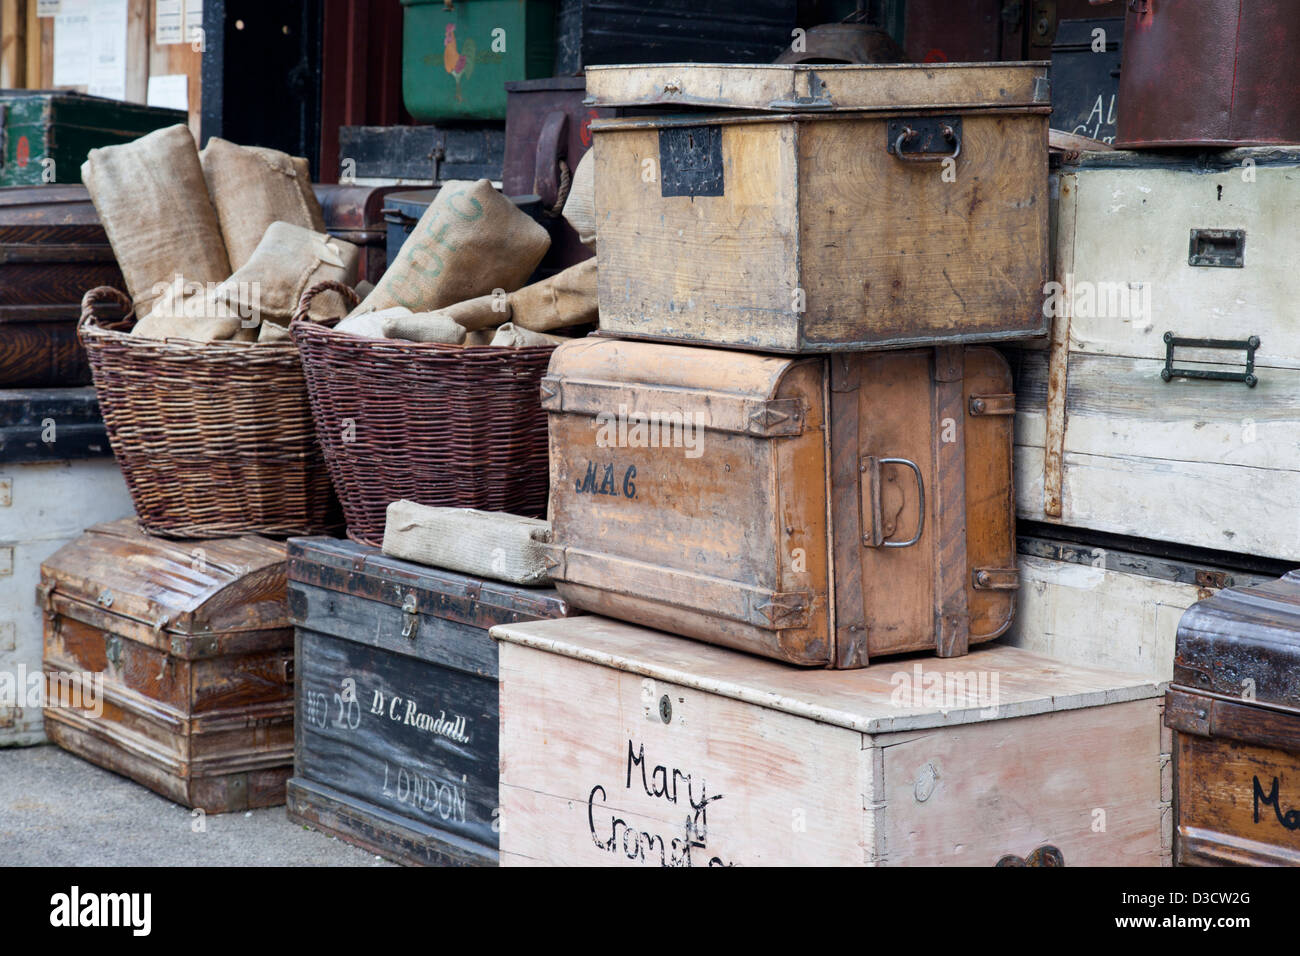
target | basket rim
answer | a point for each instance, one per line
(407, 345)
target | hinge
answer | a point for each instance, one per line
(996, 579)
(779, 417)
(1001, 404)
(787, 610)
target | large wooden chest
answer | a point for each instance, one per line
(52, 249)
(1234, 707)
(624, 746)
(816, 208)
(171, 662)
(46, 134)
(57, 475)
(1167, 403)
(820, 510)
(396, 746)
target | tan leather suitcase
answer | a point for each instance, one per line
(821, 511)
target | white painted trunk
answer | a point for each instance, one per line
(43, 506)
(1213, 464)
(624, 746)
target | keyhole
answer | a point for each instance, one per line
(665, 709)
(1220, 188)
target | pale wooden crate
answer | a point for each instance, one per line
(760, 763)
(43, 506)
(1103, 441)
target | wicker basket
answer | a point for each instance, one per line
(214, 438)
(436, 424)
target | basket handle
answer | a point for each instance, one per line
(101, 295)
(329, 285)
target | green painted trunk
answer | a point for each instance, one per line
(45, 135)
(457, 58)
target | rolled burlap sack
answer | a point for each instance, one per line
(469, 241)
(153, 202)
(288, 259)
(252, 187)
(403, 324)
(566, 298)
(511, 336)
(580, 207)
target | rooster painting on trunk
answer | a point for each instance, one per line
(456, 63)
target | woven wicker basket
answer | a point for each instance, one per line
(214, 438)
(436, 424)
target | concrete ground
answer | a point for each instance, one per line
(59, 810)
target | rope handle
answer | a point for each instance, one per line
(106, 294)
(302, 313)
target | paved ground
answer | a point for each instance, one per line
(58, 810)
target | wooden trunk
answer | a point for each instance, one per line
(821, 511)
(1096, 603)
(828, 208)
(624, 746)
(52, 249)
(1234, 707)
(355, 214)
(46, 134)
(1166, 404)
(187, 649)
(396, 745)
(54, 481)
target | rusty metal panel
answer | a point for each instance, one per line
(1209, 73)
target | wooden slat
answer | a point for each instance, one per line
(863, 700)
(13, 43)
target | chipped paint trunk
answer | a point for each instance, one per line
(52, 249)
(822, 208)
(171, 662)
(46, 134)
(1234, 707)
(821, 511)
(396, 744)
(57, 475)
(1167, 402)
(622, 746)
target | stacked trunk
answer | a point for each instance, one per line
(829, 484)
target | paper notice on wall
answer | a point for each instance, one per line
(193, 20)
(108, 49)
(48, 8)
(171, 91)
(72, 43)
(168, 18)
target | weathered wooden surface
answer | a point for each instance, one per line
(1103, 441)
(802, 233)
(191, 645)
(1102, 606)
(409, 737)
(42, 507)
(767, 525)
(785, 87)
(760, 763)
(396, 743)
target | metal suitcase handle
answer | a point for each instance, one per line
(871, 502)
(926, 132)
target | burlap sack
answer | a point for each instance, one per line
(286, 262)
(252, 187)
(153, 202)
(511, 336)
(404, 324)
(485, 544)
(566, 298)
(479, 338)
(580, 207)
(196, 314)
(483, 312)
(469, 241)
